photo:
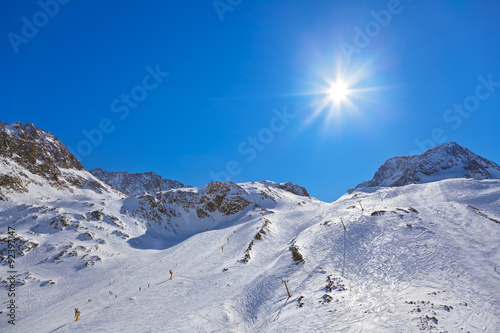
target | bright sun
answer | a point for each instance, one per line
(338, 92)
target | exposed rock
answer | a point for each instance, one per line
(296, 255)
(21, 246)
(26, 150)
(167, 209)
(138, 183)
(448, 160)
(290, 187)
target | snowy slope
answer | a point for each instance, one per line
(435, 243)
(445, 161)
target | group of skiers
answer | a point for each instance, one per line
(77, 312)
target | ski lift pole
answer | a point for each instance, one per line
(286, 286)
(341, 220)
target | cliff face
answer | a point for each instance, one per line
(29, 155)
(37, 150)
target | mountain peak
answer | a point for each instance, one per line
(288, 186)
(34, 148)
(448, 160)
(137, 183)
(451, 148)
(34, 158)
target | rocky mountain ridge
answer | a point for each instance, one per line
(449, 160)
(33, 157)
(136, 184)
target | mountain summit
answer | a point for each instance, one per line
(32, 159)
(138, 183)
(449, 160)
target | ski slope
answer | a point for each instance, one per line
(412, 258)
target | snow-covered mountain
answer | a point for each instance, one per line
(138, 183)
(187, 211)
(34, 161)
(287, 186)
(445, 161)
(420, 257)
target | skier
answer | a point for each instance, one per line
(77, 314)
(171, 273)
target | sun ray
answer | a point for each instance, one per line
(340, 91)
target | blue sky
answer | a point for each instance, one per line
(203, 90)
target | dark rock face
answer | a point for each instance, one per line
(448, 160)
(477, 170)
(38, 152)
(136, 184)
(225, 197)
(290, 187)
(12, 183)
(165, 208)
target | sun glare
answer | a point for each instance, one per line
(338, 92)
(333, 97)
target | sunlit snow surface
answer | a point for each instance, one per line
(436, 243)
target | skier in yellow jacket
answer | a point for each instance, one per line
(77, 314)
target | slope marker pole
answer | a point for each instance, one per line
(285, 282)
(361, 206)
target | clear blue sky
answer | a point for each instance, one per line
(86, 66)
